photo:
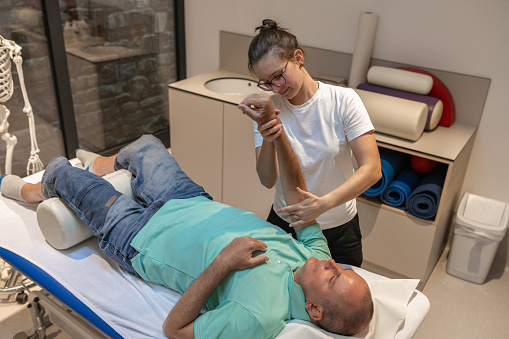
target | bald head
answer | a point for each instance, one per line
(337, 299)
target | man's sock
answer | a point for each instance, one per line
(10, 186)
(87, 159)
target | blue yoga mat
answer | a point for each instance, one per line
(392, 162)
(424, 200)
(401, 188)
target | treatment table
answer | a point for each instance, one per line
(119, 305)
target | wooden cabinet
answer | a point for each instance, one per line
(398, 244)
(214, 144)
(196, 139)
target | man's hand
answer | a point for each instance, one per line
(259, 108)
(238, 255)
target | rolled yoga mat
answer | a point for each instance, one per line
(395, 116)
(424, 200)
(435, 106)
(401, 187)
(439, 91)
(364, 41)
(392, 162)
(400, 79)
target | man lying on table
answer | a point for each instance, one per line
(251, 276)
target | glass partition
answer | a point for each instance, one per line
(120, 58)
(97, 81)
(22, 23)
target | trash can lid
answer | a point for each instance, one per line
(484, 214)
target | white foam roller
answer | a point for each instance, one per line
(61, 227)
(400, 79)
(364, 42)
(395, 116)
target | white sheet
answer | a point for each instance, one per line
(137, 309)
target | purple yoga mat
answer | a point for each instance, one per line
(434, 107)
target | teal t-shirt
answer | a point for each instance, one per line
(185, 235)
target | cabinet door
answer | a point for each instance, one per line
(395, 242)
(241, 186)
(196, 134)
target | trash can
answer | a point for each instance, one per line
(479, 226)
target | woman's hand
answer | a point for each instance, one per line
(305, 211)
(271, 130)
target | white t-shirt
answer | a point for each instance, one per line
(319, 131)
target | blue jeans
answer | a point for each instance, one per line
(112, 217)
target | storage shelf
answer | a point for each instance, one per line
(443, 142)
(378, 203)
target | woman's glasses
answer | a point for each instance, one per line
(277, 81)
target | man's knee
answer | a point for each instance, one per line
(144, 141)
(58, 163)
(56, 168)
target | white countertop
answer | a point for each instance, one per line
(196, 85)
(443, 142)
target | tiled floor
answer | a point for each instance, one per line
(462, 309)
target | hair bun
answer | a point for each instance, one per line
(268, 24)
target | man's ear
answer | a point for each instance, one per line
(314, 310)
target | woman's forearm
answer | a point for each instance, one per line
(358, 183)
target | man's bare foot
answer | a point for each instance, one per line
(96, 163)
(32, 192)
(104, 165)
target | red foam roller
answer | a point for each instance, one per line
(439, 91)
(422, 165)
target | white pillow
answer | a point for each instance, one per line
(399, 311)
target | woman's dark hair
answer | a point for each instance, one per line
(271, 39)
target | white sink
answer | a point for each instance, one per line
(232, 86)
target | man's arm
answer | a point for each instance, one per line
(259, 108)
(236, 256)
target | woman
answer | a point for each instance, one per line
(325, 125)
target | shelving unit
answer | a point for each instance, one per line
(398, 244)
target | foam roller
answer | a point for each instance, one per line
(440, 91)
(395, 116)
(435, 106)
(400, 79)
(61, 227)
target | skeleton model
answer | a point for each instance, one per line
(9, 50)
